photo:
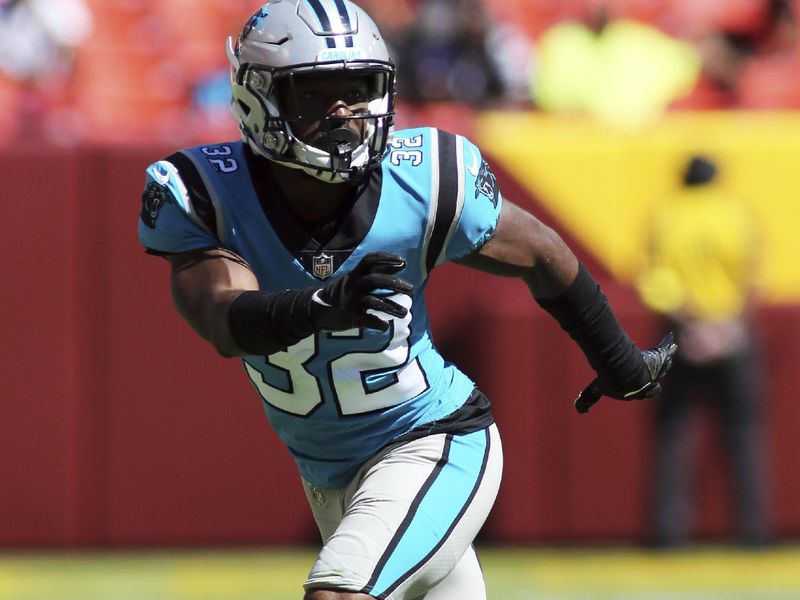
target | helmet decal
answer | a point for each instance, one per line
(336, 54)
(333, 17)
(256, 21)
(324, 21)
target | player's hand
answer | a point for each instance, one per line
(347, 302)
(657, 360)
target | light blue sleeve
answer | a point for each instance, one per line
(168, 223)
(482, 202)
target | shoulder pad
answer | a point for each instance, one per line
(178, 177)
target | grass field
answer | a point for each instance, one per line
(511, 574)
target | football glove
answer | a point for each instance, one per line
(657, 360)
(348, 302)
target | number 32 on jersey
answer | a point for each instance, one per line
(295, 389)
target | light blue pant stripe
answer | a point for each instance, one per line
(439, 510)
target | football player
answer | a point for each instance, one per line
(304, 249)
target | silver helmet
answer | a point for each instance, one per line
(289, 42)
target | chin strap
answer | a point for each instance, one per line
(322, 175)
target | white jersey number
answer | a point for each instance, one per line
(401, 151)
(351, 375)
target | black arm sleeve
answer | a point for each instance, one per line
(583, 312)
(263, 324)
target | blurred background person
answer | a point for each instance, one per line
(38, 39)
(393, 18)
(617, 69)
(455, 52)
(701, 276)
(750, 52)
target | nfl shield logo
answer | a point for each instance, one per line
(323, 266)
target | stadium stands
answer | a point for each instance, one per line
(137, 78)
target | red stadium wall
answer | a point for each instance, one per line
(119, 427)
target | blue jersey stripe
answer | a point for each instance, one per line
(435, 512)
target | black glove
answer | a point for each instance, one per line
(658, 361)
(343, 303)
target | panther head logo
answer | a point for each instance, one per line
(155, 196)
(486, 184)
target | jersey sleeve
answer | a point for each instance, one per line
(480, 212)
(173, 218)
(466, 203)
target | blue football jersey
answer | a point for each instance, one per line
(337, 398)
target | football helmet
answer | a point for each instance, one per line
(284, 48)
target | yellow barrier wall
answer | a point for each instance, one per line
(600, 184)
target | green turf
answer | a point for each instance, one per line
(511, 574)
